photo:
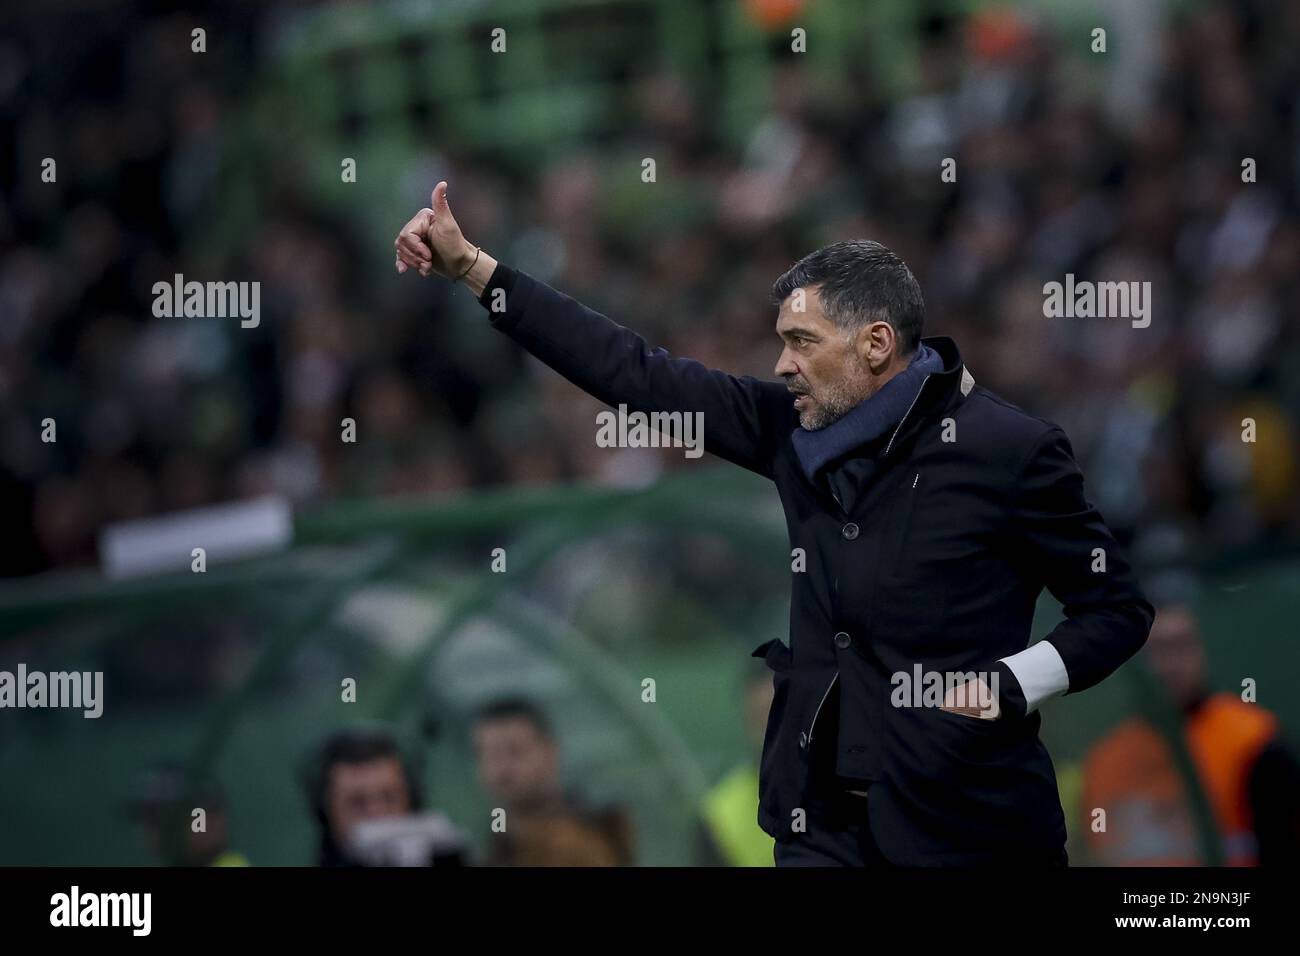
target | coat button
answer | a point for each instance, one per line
(850, 531)
(803, 740)
(841, 640)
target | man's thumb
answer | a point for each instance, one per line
(439, 198)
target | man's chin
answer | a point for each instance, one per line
(812, 420)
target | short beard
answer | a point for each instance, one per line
(839, 399)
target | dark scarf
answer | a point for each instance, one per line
(869, 420)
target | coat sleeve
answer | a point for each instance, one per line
(1059, 537)
(741, 416)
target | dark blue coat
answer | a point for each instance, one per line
(940, 563)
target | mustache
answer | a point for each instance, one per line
(797, 386)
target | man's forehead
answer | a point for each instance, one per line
(514, 725)
(347, 772)
(801, 308)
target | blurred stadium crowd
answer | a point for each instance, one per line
(1054, 177)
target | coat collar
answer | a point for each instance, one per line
(940, 391)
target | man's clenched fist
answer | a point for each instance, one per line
(432, 243)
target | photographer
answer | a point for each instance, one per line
(366, 799)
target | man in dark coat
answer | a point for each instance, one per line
(926, 515)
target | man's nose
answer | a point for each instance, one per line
(785, 365)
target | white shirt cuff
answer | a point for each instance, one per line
(1041, 673)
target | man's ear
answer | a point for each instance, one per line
(877, 345)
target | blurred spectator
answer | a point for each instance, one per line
(731, 834)
(519, 770)
(359, 778)
(166, 807)
(1250, 777)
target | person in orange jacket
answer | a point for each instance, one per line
(1250, 777)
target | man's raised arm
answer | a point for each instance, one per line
(742, 416)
